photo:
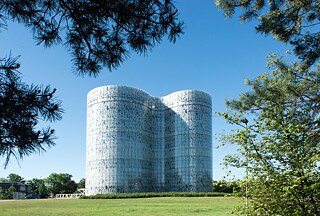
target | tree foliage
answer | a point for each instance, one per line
(280, 144)
(37, 186)
(12, 177)
(295, 22)
(22, 108)
(11, 191)
(60, 183)
(3, 194)
(226, 186)
(54, 184)
(81, 184)
(279, 118)
(98, 33)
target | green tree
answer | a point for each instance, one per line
(290, 21)
(98, 33)
(11, 190)
(226, 186)
(3, 195)
(37, 186)
(82, 183)
(60, 183)
(22, 107)
(279, 144)
(12, 177)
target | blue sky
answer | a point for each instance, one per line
(214, 55)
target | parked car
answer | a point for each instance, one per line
(32, 196)
(44, 196)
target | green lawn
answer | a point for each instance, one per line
(144, 206)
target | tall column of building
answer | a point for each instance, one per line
(188, 144)
(158, 131)
(119, 141)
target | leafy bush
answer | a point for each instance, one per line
(154, 194)
(226, 186)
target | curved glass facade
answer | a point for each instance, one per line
(140, 143)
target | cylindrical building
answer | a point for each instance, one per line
(140, 143)
(188, 148)
(119, 140)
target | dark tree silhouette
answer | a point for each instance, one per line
(290, 21)
(98, 33)
(22, 107)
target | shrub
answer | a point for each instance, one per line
(154, 194)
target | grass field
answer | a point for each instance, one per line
(147, 206)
